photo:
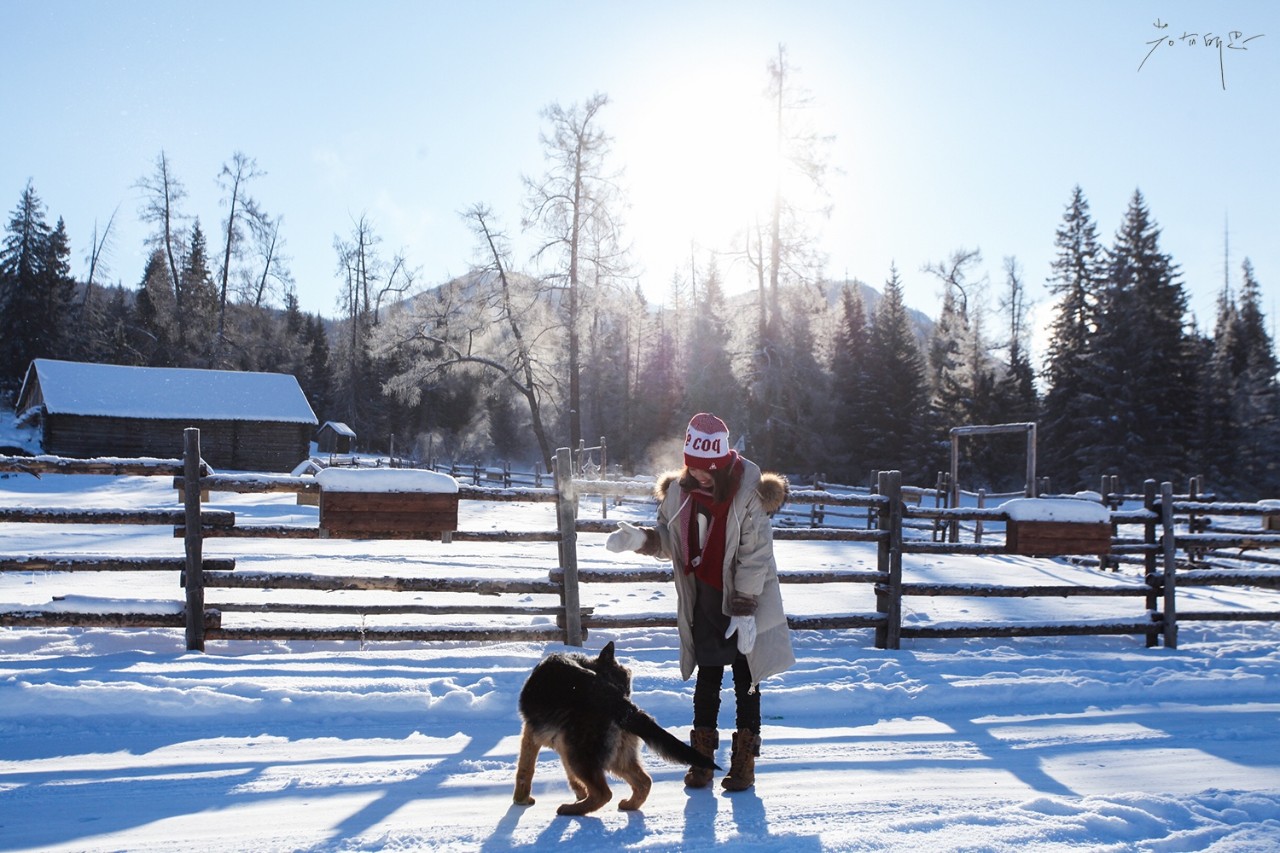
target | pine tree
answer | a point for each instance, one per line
(709, 382)
(781, 250)
(198, 296)
(115, 345)
(954, 385)
(604, 382)
(849, 353)
(508, 429)
(1146, 358)
(58, 292)
(153, 334)
(315, 377)
(802, 416)
(1015, 392)
(659, 416)
(1216, 432)
(1076, 398)
(33, 296)
(1244, 393)
(897, 392)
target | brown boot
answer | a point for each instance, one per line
(705, 741)
(742, 769)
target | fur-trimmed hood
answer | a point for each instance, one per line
(772, 488)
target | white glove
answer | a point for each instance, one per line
(627, 537)
(746, 628)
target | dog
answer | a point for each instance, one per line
(581, 707)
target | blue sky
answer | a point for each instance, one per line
(956, 125)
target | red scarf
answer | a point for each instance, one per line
(707, 562)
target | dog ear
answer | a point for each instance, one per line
(606, 654)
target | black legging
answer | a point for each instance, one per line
(706, 697)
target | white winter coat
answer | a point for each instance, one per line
(749, 566)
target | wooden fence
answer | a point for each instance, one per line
(1179, 543)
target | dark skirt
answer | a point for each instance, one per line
(710, 646)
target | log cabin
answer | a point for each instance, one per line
(247, 421)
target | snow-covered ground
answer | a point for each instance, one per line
(122, 740)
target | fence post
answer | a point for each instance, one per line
(1149, 552)
(879, 483)
(193, 573)
(604, 475)
(1194, 523)
(889, 595)
(1170, 567)
(567, 523)
(873, 487)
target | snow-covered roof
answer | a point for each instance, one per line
(1055, 509)
(385, 480)
(113, 390)
(339, 427)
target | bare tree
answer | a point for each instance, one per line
(576, 205)
(1016, 305)
(368, 282)
(357, 264)
(98, 252)
(162, 195)
(233, 178)
(958, 352)
(271, 266)
(779, 247)
(488, 321)
(801, 151)
(954, 274)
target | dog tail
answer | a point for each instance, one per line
(662, 741)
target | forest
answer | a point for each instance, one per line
(818, 377)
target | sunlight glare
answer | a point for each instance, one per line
(706, 152)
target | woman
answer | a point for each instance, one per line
(714, 526)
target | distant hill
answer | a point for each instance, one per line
(920, 321)
(465, 285)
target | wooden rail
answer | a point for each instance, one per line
(1177, 539)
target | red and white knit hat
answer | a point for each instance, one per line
(706, 442)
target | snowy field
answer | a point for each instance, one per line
(122, 740)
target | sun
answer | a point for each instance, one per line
(702, 161)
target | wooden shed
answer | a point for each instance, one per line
(381, 503)
(335, 437)
(1053, 527)
(247, 421)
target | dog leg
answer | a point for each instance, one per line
(597, 793)
(628, 766)
(640, 784)
(529, 747)
(579, 789)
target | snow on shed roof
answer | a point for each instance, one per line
(1055, 509)
(339, 427)
(113, 390)
(386, 480)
